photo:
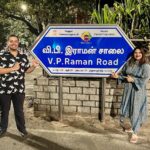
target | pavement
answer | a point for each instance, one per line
(73, 133)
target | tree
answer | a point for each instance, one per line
(132, 16)
(30, 23)
(3, 27)
(42, 12)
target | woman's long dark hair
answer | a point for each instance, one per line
(142, 61)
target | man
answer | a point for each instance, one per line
(13, 66)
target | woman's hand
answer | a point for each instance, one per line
(114, 75)
(130, 78)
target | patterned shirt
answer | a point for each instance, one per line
(13, 82)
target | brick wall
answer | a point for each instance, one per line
(80, 96)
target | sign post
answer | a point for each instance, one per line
(82, 50)
(60, 98)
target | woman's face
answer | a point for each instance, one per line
(137, 54)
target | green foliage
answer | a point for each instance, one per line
(132, 15)
(4, 25)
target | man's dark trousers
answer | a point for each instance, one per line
(18, 101)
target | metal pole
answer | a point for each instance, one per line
(102, 114)
(60, 99)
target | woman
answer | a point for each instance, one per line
(135, 74)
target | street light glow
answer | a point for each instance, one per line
(24, 7)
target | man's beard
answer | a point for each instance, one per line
(12, 49)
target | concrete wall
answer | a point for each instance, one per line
(80, 96)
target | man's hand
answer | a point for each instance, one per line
(35, 63)
(16, 67)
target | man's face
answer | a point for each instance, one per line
(13, 43)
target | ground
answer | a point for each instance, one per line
(88, 124)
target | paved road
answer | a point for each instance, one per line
(77, 135)
(68, 140)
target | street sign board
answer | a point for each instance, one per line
(82, 50)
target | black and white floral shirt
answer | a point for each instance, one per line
(13, 82)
